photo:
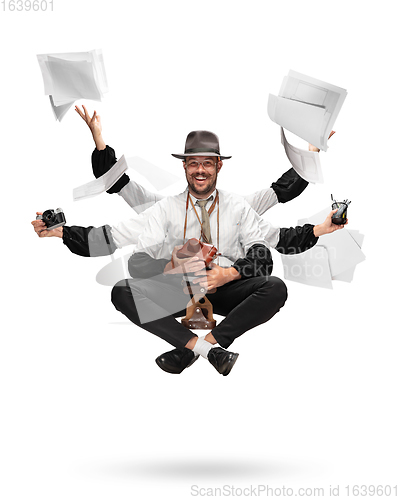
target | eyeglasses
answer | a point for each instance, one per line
(207, 164)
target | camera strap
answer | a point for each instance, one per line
(210, 211)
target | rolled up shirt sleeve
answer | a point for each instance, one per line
(297, 239)
(141, 265)
(289, 186)
(89, 241)
(286, 188)
(257, 262)
(102, 161)
(133, 193)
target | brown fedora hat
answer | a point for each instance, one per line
(201, 143)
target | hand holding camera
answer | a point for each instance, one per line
(180, 265)
(49, 223)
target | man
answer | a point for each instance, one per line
(245, 293)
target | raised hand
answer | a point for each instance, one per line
(94, 124)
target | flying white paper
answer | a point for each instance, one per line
(72, 80)
(72, 75)
(102, 183)
(348, 275)
(307, 107)
(60, 110)
(309, 268)
(305, 163)
(342, 252)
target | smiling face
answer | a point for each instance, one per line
(202, 177)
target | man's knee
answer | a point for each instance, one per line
(279, 290)
(120, 292)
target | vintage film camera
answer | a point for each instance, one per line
(52, 218)
(340, 216)
(194, 247)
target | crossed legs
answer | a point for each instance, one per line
(153, 304)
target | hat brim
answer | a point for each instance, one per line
(183, 157)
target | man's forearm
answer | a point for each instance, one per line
(58, 232)
(232, 274)
(99, 141)
(318, 230)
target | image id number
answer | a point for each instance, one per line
(27, 5)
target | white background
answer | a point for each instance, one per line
(313, 398)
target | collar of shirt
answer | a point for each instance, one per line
(213, 195)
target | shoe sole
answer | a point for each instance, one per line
(231, 364)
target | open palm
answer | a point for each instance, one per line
(94, 122)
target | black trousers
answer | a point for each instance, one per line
(153, 304)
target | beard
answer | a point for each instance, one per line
(204, 188)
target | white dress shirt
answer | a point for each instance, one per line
(127, 232)
(239, 227)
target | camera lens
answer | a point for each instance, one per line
(48, 216)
